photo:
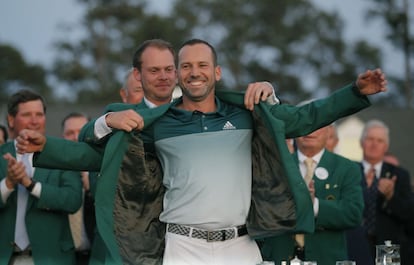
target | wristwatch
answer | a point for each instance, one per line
(31, 186)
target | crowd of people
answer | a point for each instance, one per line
(206, 178)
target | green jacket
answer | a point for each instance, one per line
(341, 206)
(46, 217)
(131, 231)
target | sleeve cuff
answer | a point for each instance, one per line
(4, 191)
(37, 190)
(101, 129)
(272, 99)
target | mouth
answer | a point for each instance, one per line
(164, 86)
(196, 83)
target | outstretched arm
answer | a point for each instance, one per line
(58, 153)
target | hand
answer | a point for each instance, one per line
(29, 141)
(386, 187)
(126, 120)
(16, 171)
(371, 82)
(257, 92)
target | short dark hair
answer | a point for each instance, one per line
(157, 43)
(5, 133)
(200, 41)
(74, 115)
(23, 96)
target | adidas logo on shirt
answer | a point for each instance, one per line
(228, 126)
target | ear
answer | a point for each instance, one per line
(122, 94)
(217, 71)
(137, 74)
(10, 121)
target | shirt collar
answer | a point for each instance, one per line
(377, 167)
(185, 115)
(151, 105)
(316, 158)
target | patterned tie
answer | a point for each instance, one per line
(370, 195)
(300, 238)
(309, 169)
(20, 234)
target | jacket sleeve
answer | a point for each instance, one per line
(68, 155)
(305, 119)
(62, 191)
(87, 134)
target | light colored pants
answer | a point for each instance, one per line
(21, 260)
(183, 250)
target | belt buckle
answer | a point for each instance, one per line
(210, 236)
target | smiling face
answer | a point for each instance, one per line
(158, 74)
(197, 72)
(30, 115)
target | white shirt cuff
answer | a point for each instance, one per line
(316, 206)
(37, 190)
(101, 129)
(4, 191)
(272, 99)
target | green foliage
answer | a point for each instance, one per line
(292, 44)
(16, 74)
(395, 16)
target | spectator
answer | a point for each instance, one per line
(387, 196)
(337, 202)
(35, 202)
(131, 91)
(82, 223)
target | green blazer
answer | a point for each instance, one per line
(131, 232)
(337, 186)
(46, 217)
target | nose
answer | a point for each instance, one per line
(195, 71)
(163, 75)
(34, 119)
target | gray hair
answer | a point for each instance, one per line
(375, 124)
(127, 75)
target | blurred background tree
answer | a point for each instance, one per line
(16, 73)
(293, 44)
(395, 15)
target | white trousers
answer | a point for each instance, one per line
(183, 250)
(21, 260)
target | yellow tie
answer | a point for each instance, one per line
(300, 238)
(309, 170)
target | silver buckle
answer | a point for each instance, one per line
(210, 236)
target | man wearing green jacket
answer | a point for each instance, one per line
(34, 202)
(333, 183)
(279, 198)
